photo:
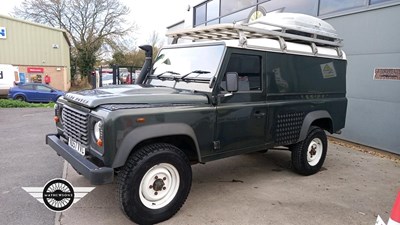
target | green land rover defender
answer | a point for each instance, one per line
(232, 89)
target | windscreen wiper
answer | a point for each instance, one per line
(170, 72)
(194, 71)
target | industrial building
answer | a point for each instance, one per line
(39, 52)
(370, 32)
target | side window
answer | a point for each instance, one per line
(27, 87)
(43, 88)
(248, 68)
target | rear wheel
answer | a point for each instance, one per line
(308, 156)
(20, 98)
(154, 183)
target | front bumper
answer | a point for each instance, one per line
(96, 175)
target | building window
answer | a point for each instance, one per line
(229, 6)
(237, 17)
(228, 11)
(379, 1)
(309, 7)
(200, 15)
(212, 9)
(330, 6)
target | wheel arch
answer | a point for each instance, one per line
(179, 135)
(320, 118)
(20, 94)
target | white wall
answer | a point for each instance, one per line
(371, 40)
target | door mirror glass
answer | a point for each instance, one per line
(232, 80)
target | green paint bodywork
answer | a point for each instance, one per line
(294, 94)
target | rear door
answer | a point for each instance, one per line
(30, 92)
(241, 118)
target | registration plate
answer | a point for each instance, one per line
(76, 146)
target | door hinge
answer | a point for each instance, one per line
(217, 145)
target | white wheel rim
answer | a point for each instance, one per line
(314, 151)
(159, 186)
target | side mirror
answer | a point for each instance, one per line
(232, 81)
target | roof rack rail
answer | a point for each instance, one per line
(284, 27)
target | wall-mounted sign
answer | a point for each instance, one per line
(3, 33)
(387, 74)
(22, 78)
(35, 70)
(36, 78)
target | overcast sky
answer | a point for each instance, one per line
(149, 15)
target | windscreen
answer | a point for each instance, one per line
(197, 65)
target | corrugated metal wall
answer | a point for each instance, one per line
(30, 44)
(371, 41)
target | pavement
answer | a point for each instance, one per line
(25, 161)
(352, 188)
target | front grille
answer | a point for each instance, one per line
(76, 125)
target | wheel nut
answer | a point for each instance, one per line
(156, 193)
(151, 186)
(156, 177)
(164, 178)
(164, 188)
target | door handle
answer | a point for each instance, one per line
(259, 114)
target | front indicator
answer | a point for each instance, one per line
(99, 143)
(56, 119)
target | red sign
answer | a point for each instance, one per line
(35, 70)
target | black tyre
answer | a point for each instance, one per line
(20, 98)
(308, 156)
(263, 151)
(154, 183)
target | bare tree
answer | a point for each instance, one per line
(156, 41)
(91, 24)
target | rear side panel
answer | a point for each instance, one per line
(298, 85)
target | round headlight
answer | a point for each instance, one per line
(97, 129)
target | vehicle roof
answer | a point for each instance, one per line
(33, 84)
(267, 44)
(291, 33)
(36, 84)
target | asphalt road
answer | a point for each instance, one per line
(352, 188)
(25, 161)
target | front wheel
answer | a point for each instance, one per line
(309, 154)
(154, 183)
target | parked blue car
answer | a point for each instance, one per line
(33, 92)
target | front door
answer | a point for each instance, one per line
(241, 117)
(44, 94)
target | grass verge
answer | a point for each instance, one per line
(9, 103)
